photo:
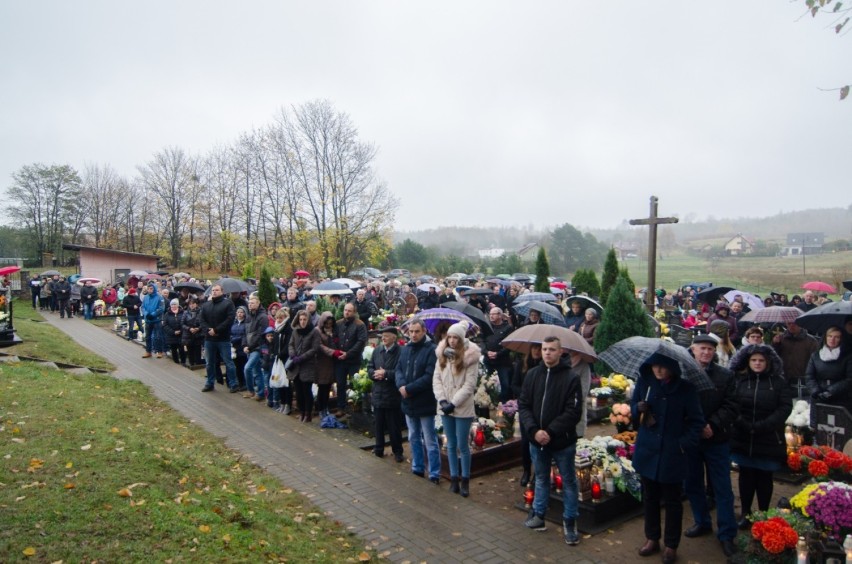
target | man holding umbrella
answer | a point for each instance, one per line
(550, 407)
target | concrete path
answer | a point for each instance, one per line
(404, 518)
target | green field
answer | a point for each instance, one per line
(759, 275)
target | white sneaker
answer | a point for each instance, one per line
(287, 409)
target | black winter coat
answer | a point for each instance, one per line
(415, 370)
(552, 400)
(172, 326)
(218, 313)
(352, 338)
(765, 401)
(385, 393)
(132, 304)
(492, 344)
(191, 320)
(88, 294)
(834, 377)
(720, 404)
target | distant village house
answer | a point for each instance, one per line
(739, 245)
(803, 243)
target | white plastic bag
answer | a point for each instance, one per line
(278, 378)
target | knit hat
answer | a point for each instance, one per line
(458, 329)
(174, 302)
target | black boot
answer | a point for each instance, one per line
(525, 478)
(454, 484)
(465, 487)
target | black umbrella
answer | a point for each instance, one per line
(711, 295)
(848, 285)
(50, 273)
(191, 286)
(473, 313)
(586, 302)
(479, 292)
(232, 285)
(832, 314)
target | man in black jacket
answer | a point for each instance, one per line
(88, 295)
(713, 453)
(386, 397)
(216, 317)
(351, 335)
(550, 406)
(62, 292)
(497, 357)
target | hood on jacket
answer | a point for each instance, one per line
(739, 362)
(323, 316)
(245, 313)
(472, 354)
(722, 305)
(674, 367)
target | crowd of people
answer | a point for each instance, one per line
(686, 439)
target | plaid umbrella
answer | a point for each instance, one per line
(540, 296)
(431, 318)
(549, 313)
(473, 313)
(832, 314)
(521, 339)
(628, 356)
(773, 314)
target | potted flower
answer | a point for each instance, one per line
(773, 537)
(509, 411)
(601, 396)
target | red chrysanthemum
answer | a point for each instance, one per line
(834, 459)
(817, 468)
(758, 530)
(791, 537)
(810, 452)
(773, 542)
(794, 461)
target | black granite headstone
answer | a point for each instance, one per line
(833, 425)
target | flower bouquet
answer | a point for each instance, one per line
(621, 387)
(800, 417)
(510, 413)
(600, 396)
(829, 505)
(773, 537)
(487, 394)
(493, 434)
(823, 463)
(385, 319)
(360, 387)
(620, 417)
(613, 455)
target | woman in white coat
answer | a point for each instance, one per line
(454, 385)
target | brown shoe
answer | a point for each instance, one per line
(248, 396)
(146, 355)
(669, 555)
(159, 355)
(650, 547)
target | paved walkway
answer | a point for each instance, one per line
(402, 517)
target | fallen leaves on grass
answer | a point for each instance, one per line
(204, 528)
(29, 551)
(86, 447)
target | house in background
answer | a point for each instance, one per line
(803, 243)
(528, 252)
(490, 253)
(739, 245)
(626, 249)
(110, 265)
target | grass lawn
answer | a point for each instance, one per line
(753, 274)
(41, 340)
(96, 469)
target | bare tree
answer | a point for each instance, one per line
(102, 194)
(41, 199)
(169, 177)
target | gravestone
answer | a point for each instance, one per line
(833, 425)
(681, 336)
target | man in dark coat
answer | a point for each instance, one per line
(62, 293)
(364, 306)
(386, 398)
(720, 410)
(256, 323)
(430, 299)
(575, 317)
(795, 348)
(497, 357)
(88, 295)
(414, 373)
(351, 336)
(216, 317)
(550, 407)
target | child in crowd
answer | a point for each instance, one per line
(266, 360)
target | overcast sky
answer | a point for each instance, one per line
(484, 113)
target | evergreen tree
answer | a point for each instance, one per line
(609, 276)
(265, 288)
(626, 274)
(542, 271)
(623, 317)
(586, 280)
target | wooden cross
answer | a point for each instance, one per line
(652, 221)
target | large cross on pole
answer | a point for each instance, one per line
(652, 221)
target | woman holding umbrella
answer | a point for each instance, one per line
(829, 372)
(757, 444)
(668, 409)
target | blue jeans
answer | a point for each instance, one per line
(420, 430)
(133, 321)
(254, 375)
(154, 341)
(457, 431)
(342, 372)
(222, 349)
(541, 459)
(716, 458)
(88, 310)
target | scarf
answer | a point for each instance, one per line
(827, 355)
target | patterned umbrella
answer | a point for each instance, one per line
(431, 318)
(817, 286)
(540, 296)
(832, 314)
(521, 339)
(549, 313)
(628, 356)
(773, 314)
